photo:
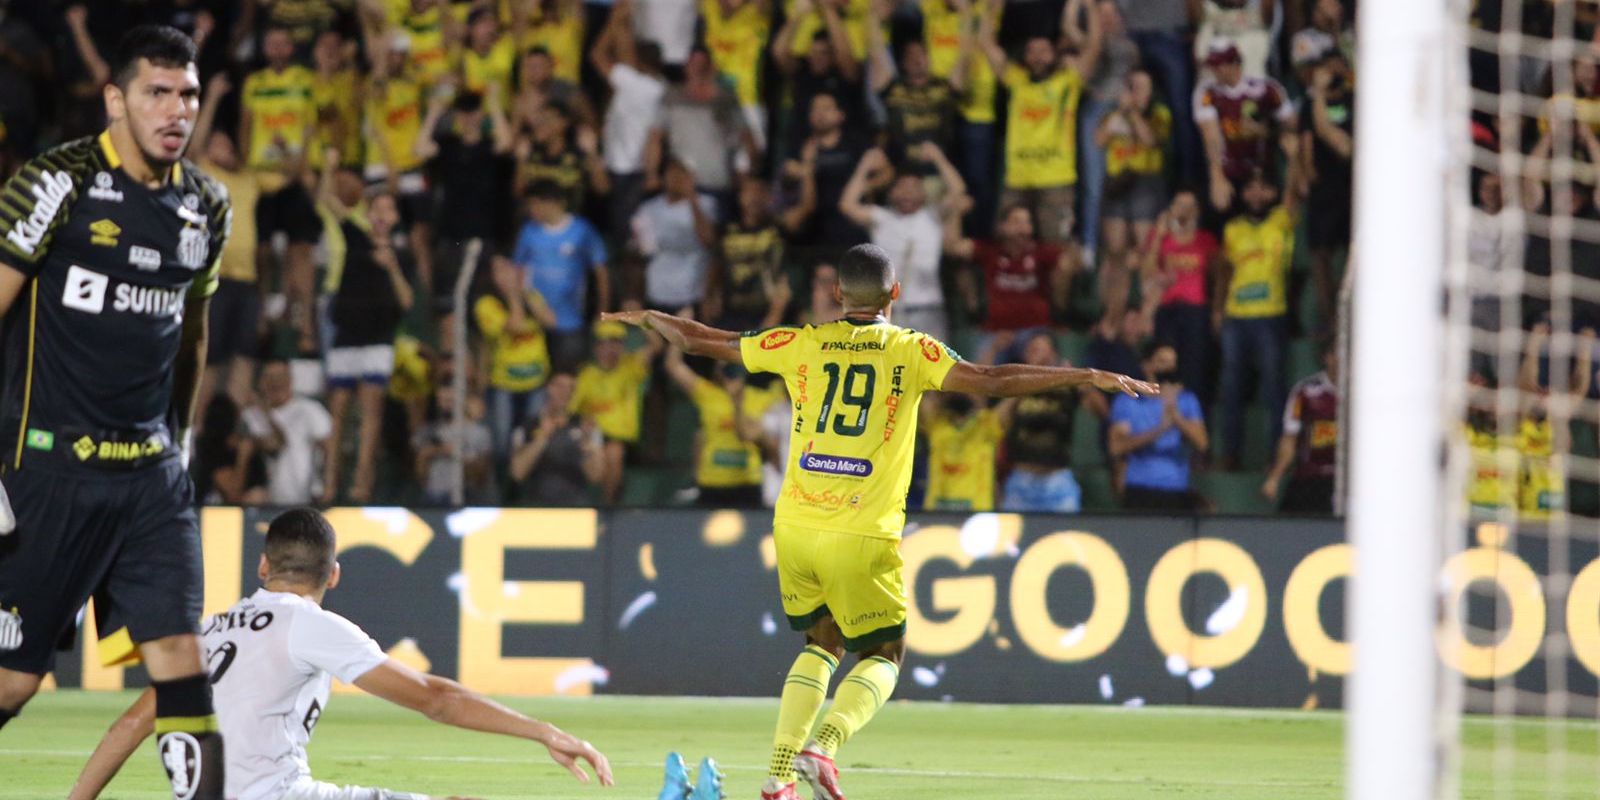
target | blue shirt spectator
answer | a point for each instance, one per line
(559, 251)
(1155, 437)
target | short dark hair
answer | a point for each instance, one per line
(546, 189)
(1149, 349)
(649, 55)
(161, 45)
(300, 547)
(866, 275)
(467, 102)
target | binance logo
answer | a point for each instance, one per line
(83, 448)
(104, 233)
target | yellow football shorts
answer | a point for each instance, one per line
(854, 578)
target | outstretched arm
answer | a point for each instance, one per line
(444, 700)
(124, 736)
(1015, 380)
(685, 334)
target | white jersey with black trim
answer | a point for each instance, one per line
(272, 658)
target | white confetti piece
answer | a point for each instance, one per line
(925, 677)
(1201, 678)
(583, 674)
(1134, 702)
(1072, 637)
(1106, 690)
(468, 521)
(980, 535)
(769, 626)
(1230, 613)
(1177, 665)
(636, 608)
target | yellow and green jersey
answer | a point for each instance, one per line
(337, 99)
(562, 36)
(726, 459)
(611, 396)
(1042, 128)
(941, 35)
(394, 116)
(1260, 253)
(736, 42)
(519, 358)
(281, 109)
(961, 460)
(494, 68)
(855, 387)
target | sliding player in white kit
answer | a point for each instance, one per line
(272, 657)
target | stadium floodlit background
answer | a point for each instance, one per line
(568, 515)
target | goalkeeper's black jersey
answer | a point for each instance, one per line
(89, 343)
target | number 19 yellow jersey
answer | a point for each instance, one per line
(855, 386)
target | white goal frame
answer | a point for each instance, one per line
(1398, 744)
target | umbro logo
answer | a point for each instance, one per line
(104, 233)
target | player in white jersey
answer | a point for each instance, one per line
(272, 658)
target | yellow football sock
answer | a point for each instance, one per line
(860, 695)
(803, 693)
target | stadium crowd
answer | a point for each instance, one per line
(1155, 187)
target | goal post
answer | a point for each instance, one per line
(1407, 66)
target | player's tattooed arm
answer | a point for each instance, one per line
(685, 334)
(1016, 380)
(121, 739)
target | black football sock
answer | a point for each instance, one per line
(187, 739)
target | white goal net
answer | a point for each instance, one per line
(1507, 204)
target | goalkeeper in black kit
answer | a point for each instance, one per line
(109, 255)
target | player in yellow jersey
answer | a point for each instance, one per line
(1041, 121)
(856, 384)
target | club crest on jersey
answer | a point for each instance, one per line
(777, 339)
(10, 629)
(930, 350)
(180, 754)
(48, 195)
(101, 190)
(193, 246)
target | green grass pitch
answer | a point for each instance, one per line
(912, 750)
